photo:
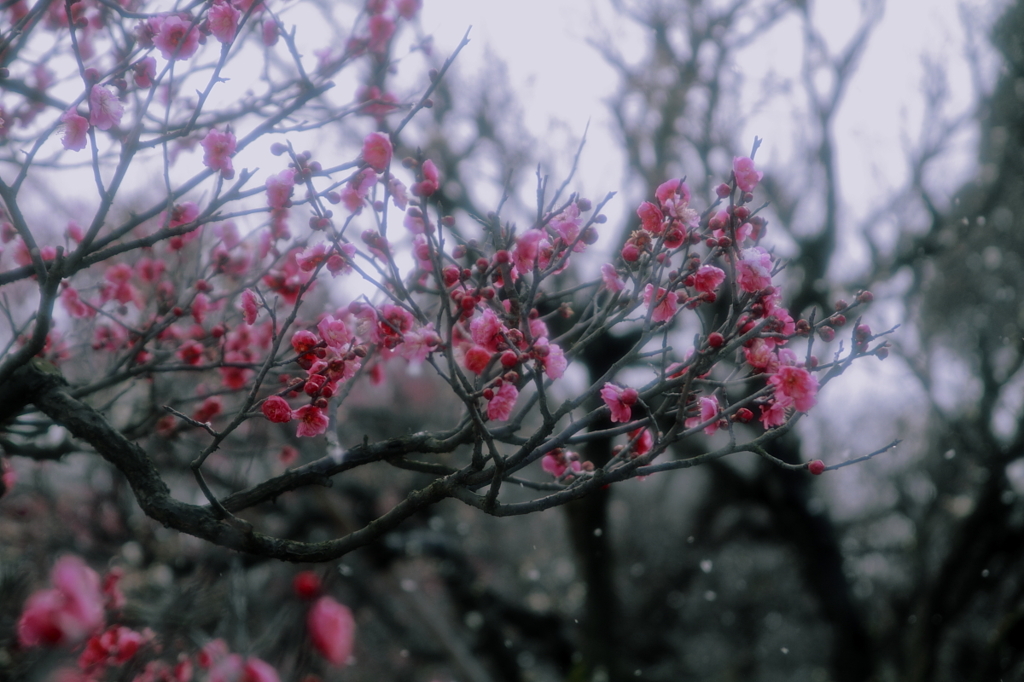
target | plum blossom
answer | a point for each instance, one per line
(754, 269)
(258, 670)
(611, 279)
(558, 461)
(430, 182)
(223, 21)
(66, 614)
(332, 629)
(477, 358)
(249, 304)
(75, 128)
(407, 9)
(795, 386)
(144, 71)
(708, 278)
(176, 39)
(620, 401)
(773, 414)
(105, 109)
(499, 408)
(276, 409)
(312, 421)
(665, 303)
(381, 30)
(334, 332)
(377, 151)
(747, 176)
(219, 147)
(552, 358)
(708, 410)
(651, 217)
(280, 188)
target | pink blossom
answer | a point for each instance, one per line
(74, 305)
(200, 306)
(651, 217)
(276, 409)
(754, 270)
(226, 669)
(747, 176)
(665, 303)
(75, 127)
(567, 225)
(304, 341)
(477, 358)
(144, 71)
(611, 278)
(558, 461)
(223, 21)
(773, 415)
(487, 330)
(249, 304)
(708, 278)
(499, 408)
(381, 30)
(532, 249)
(620, 401)
(313, 256)
(795, 386)
(332, 629)
(312, 421)
(377, 151)
(177, 39)
(553, 358)
(334, 332)
(759, 355)
(708, 410)
(430, 182)
(418, 344)
(66, 614)
(280, 188)
(269, 33)
(219, 148)
(671, 190)
(105, 109)
(643, 444)
(116, 646)
(407, 9)
(190, 352)
(258, 670)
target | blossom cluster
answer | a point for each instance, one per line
(73, 615)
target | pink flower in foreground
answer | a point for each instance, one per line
(312, 421)
(671, 191)
(223, 19)
(219, 148)
(651, 217)
(115, 646)
(773, 415)
(708, 410)
(665, 303)
(499, 408)
(332, 629)
(477, 358)
(105, 109)
(334, 332)
(795, 386)
(377, 151)
(620, 401)
(747, 176)
(75, 128)
(66, 614)
(754, 270)
(708, 278)
(276, 409)
(176, 39)
(611, 278)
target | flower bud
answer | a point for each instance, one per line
(817, 467)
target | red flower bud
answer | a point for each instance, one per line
(817, 467)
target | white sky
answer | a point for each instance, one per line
(558, 76)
